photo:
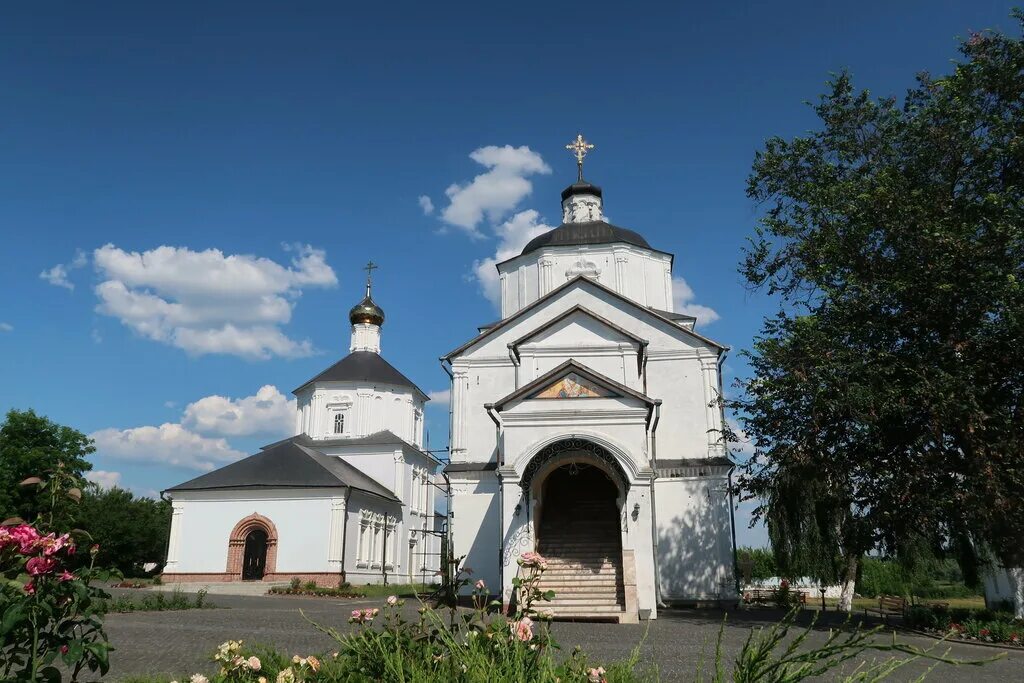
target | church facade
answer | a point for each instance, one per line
(585, 426)
(350, 498)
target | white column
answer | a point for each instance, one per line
(621, 273)
(400, 475)
(516, 536)
(337, 533)
(174, 542)
(506, 309)
(460, 385)
(712, 411)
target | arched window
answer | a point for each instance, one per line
(339, 423)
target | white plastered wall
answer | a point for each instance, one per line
(203, 521)
(694, 539)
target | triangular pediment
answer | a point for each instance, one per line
(581, 283)
(572, 380)
(573, 385)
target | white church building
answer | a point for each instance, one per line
(585, 426)
(350, 498)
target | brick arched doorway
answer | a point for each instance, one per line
(258, 535)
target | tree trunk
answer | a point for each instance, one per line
(1017, 586)
(849, 581)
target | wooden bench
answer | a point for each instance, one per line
(888, 605)
(771, 594)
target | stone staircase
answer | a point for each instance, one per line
(583, 549)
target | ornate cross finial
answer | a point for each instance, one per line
(579, 147)
(369, 268)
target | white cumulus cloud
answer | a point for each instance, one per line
(105, 479)
(58, 275)
(683, 302)
(426, 204)
(169, 444)
(512, 235)
(209, 302)
(440, 398)
(267, 412)
(497, 191)
(198, 440)
(6, 327)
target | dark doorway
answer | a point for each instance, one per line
(580, 535)
(254, 560)
(578, 504)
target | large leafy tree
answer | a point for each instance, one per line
(33, 446)
(131, 531)
(885, 404)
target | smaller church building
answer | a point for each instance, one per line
(350, 498)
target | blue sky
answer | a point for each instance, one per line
(298, 140)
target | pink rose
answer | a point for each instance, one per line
(30, 588)
(392, 600)
(480, 585)
(26, 537)
(40, 565)
(532, 559)
(595, 675)
(522, 629)
(66, 576)
(356, 613)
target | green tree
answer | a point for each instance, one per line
(885, 403)
(130, 530)
(34, 446)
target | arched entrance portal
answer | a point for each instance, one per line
(578, 529)
(254, 560)
(252, 548)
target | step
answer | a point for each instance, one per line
(585, 601)
(578, 579)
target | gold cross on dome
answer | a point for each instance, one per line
(579, 147)
(369, 268)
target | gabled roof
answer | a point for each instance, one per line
(578, 308)
(382, 438)
(284, 465)
(572, 366)
(579, 279)
(673, 316)
(363, 366)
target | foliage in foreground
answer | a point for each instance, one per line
(487, 645)
(47, 611)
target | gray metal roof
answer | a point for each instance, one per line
(363, 366)
(592, 232)
(287, 464)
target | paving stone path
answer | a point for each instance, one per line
(179, 643)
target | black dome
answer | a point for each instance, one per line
(594, 232)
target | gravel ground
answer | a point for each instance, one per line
(176, 643)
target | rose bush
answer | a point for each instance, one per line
(47, 611)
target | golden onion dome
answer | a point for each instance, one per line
(366, 312)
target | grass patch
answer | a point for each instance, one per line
(156, 602)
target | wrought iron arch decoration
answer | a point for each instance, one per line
(553, 450)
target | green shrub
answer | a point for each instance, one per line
(295, 583)
(756, 564)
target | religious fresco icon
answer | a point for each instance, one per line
(573, 386)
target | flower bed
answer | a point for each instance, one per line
(319, 591)
(984, 626)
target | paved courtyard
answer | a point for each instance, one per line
(180, 642)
